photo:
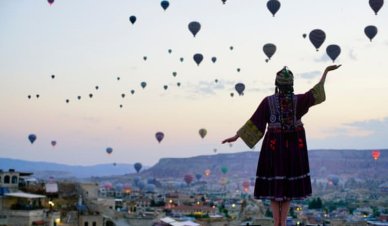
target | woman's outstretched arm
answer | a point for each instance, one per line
(329, 68)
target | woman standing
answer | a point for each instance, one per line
(283, 172)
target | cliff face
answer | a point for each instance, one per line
(355, 163)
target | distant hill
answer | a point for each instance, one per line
(47, 169)
(347, 163)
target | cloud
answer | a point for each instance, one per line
(352, 55)
(359, 134)
(324, 58)
(310, 74)
(209, 87)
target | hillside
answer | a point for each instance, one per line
(47, 169)
(348, 163)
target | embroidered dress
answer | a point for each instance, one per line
(283, 169)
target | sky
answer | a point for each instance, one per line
(92, 43)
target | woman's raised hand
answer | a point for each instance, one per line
(231, 139)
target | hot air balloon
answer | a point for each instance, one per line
(165, 87)
(246, 185)
(170, 51)
(52, 76)
(174, 73)
(121, 106)
(224, 169)
(333, 51)
(178, 84)
(53, 143)
(132, 91)
(304, 35)
(143, 84)
(370, 31)
(376, 154)
(67, 100)
(32, 138)
(238, 69)
(164, 4)
(123, 95)
(118, 78)
(194, 27)
(159, 136)
(109, 150)
(96, 87)
(273, 6)
(223, 1)
(317, 37)
(231, 47)
(207, 172)
(269, 50)
(50, 2)
(181, 59)
(376, 5)
(132, 19)
(90, 95)
(188, 178)
(138, 167)
(202, 133)
(198, 58)
(29, 96)
(198, 176)
(37, 95)
(214, 59)
(144, 58)
(231, 94)
(333, 179)
(240, 87)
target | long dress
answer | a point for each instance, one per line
(283, 169)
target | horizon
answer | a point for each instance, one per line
(103, 48)
(195, 156)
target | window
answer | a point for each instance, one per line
(6, 179)
(94, 223)
(86, 223)
(14, 179)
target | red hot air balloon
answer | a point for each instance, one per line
(188, 178)
(246, 185)
(376, 154)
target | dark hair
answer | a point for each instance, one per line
(284, 88)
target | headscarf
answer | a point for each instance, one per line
(284, 77)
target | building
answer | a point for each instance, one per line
(19, 208)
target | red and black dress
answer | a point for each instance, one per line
(283, 169)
